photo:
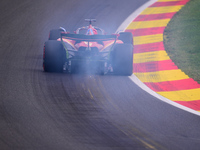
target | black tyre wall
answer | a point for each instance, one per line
(54, 56)
(122, 59)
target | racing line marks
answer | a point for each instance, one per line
(152, 64)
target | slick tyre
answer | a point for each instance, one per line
(122, 59)
(54, 56)
(126, 37)
(55, 34)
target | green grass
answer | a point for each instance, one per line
(182, 39)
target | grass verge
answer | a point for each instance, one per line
(182, 39)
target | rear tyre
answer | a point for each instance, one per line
(126, 37)
(122, 59)
(55, 34)
(103, 69)
(74, 67)
(54, 56)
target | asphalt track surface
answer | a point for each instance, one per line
(84, 111)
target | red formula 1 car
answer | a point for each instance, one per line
(89, 49)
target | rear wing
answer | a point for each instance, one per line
(89, 38)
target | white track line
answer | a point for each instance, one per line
(133, 78)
